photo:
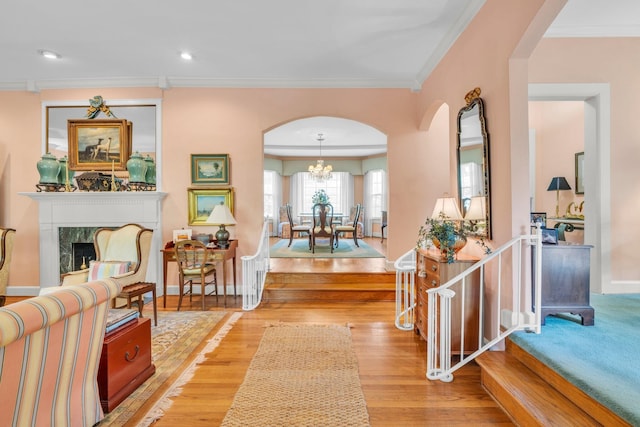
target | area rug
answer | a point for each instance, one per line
(175, 338)
(300, 249)
(301, 375)
(602, 360)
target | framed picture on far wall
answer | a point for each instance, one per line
(539, 218)
(202, 201)
(210, 169)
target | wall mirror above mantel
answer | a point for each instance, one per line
(144, 114)
(473, 165)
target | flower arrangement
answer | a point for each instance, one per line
(447, 235)
(320, 196)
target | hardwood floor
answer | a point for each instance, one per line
(392, 362)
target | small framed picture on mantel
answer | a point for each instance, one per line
(210, 169)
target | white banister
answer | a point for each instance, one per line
(514, 316)
(254, 272)
(405, 267)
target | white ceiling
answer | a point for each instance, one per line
(254, 43)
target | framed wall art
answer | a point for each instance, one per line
(203, 200)
(99, 144)
(539, 218)
(210, 169)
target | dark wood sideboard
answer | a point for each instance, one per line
(565, 281)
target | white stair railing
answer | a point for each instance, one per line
(513, 315)
(254, 272)
(405, 267)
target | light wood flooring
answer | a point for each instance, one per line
(392, 362)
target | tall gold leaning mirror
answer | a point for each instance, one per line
(473, 165)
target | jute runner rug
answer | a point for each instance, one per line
(301, 375)
(173, 343)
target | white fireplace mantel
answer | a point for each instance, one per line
(95, 209)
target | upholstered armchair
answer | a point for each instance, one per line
(121, 253)
(6, 247)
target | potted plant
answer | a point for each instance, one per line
(320, 196)
(448, 235)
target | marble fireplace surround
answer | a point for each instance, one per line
(95, 209)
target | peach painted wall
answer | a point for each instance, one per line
(420, 130)
(480, 58)
(194, 121)
(614, 61)
(559, 130)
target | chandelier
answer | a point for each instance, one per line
(320, 172)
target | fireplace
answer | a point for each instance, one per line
(59, 212)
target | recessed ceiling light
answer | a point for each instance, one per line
(186, 56)
(49, 54)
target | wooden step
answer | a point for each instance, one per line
(595, 409)
(337, 287)
(330, 278)
(525, 396)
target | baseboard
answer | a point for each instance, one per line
(624, 287)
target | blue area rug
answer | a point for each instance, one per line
(602, 360)
(300, 249)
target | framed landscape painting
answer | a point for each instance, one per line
(210, 169)
(202, 201)
(99, 144)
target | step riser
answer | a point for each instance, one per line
(286, 295)
(336, 287)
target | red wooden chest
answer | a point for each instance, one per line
(125, 362)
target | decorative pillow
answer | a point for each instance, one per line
(101, 269)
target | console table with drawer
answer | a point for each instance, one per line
(433, 271)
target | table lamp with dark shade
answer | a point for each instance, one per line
(221, 215)
(558, 183)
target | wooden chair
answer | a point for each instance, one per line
(383, 225)
(191, 256)
(6, 247)
(295, 228)
(352, 227)
(322, 224)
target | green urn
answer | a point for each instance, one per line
(64, 173)
(137, 168)
(150, 176)
(48, 168)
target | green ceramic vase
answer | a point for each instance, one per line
(137, 168)
(48, 168)
(62, 173)
(150, 176)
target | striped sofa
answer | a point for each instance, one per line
(50, 349)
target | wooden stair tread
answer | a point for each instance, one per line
(525, 396)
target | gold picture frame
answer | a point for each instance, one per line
(99, 144)
(203, 200)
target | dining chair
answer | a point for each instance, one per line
(322, 224)
(297, 228)
(193, 269)
(351, 227)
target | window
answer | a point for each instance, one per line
(339, 189)
(272, 195)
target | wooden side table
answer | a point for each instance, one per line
(217, 255)
(138, 290)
